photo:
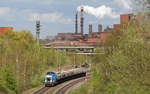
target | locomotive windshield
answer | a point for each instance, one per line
(49, 73)
(48, 79)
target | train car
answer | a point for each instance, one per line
(52, 78)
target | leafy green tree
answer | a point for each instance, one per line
(23, 61)
(124, 67)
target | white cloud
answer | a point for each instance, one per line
(100, 12)
(125, 4)
(10, 14)
(50, 17)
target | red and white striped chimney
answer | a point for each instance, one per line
(82, 20)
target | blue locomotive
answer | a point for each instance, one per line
(53, 78)
(50, 79)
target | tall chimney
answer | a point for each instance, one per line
(100, 28)
(82, 20)
(76, 23)
(90, 28)
(38, 32)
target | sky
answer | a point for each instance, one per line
(57, 16)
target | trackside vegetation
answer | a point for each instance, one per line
(23, 62)
(124, 68)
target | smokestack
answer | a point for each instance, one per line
(38, 32)
(76, 23)
(100, 28)
(90, 28)
(82, 20)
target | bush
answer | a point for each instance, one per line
(124, 68)
(7, 80)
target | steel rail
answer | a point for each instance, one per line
(64, 89)
(42, 90)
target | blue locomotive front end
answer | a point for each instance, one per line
(50, 79)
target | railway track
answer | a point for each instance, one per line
(64, 89)
(42, 90)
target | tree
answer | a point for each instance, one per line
(141, 6)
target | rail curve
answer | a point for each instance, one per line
(64, 89)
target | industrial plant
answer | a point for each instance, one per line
(92, 39)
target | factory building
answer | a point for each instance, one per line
(116, 26)
(94, 38)
(125, 18)
(80, 36)
(5, 29)
(68, 37)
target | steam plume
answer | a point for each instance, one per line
(100, 12)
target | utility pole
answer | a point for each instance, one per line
(86, 59)
(74, 61)
(38, 32)
(59, 63)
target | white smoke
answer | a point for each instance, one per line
(100, 12)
